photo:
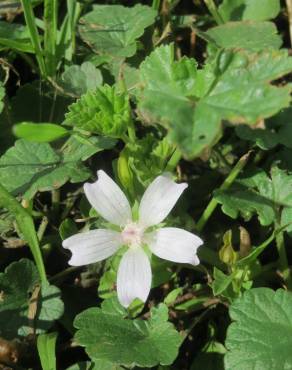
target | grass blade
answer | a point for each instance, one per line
(26, 226)
(50, 37)
(34, 35)
(66, 44)
(18, 45)
(46, 344)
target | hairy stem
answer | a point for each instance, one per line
(214, 11)
(59, 277)
(156, 4)
(283, 261)
(225, 185)
(42, 228)
(56, 201)
(173, 161)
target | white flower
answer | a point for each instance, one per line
(170, 243)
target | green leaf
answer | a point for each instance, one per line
(15, 36)
(210, 358)
(130, 76)
(264, 139)
(26, 307)
(239, 200)
(39, 132)
(242, 92)
(260, 317)
(192, 103)
(277, 130)
(286, 218)
(104, 112)
(187, 127)
(51, 308)
(46, 344)
(167, 87)
(14, 31)
(37, 167)
(78, 148)
(108, 336)
(160, 72)
(78, 80)
(67, 228)
(97, 365)
(256, 251)
(140, 162)
(250, 35)
(257, 193)
(237, 10)
(114, 29)
(107, 283)
(221, 281)
(172, 296)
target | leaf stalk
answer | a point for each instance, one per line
(225, 185)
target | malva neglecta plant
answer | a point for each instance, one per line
(145, 184)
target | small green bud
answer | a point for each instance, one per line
(227, 254)
(124, 171)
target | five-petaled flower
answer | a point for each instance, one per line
(170, 243)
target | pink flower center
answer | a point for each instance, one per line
(132, 235)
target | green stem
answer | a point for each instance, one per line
(56, 201)
(131, 127)
(53, 106)
(42, 228)
(211, 257)
(131, 131)
(173, 161)
(156, 4)
(63, 274)
(283, 261)
(225, 185)
(213, 303)
(214, 11)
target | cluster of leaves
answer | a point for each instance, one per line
(139, 90)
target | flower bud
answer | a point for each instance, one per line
(227, 254)
(245, 244)
(124, 172)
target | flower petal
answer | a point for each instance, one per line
(134, 276)
(158, 200)
(92, 246)
(173, 244)
(108, 199)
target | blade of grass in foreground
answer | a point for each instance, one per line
(34, 35)
(66, 41)
(50, 37)
(46, 344)
(26, 226)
